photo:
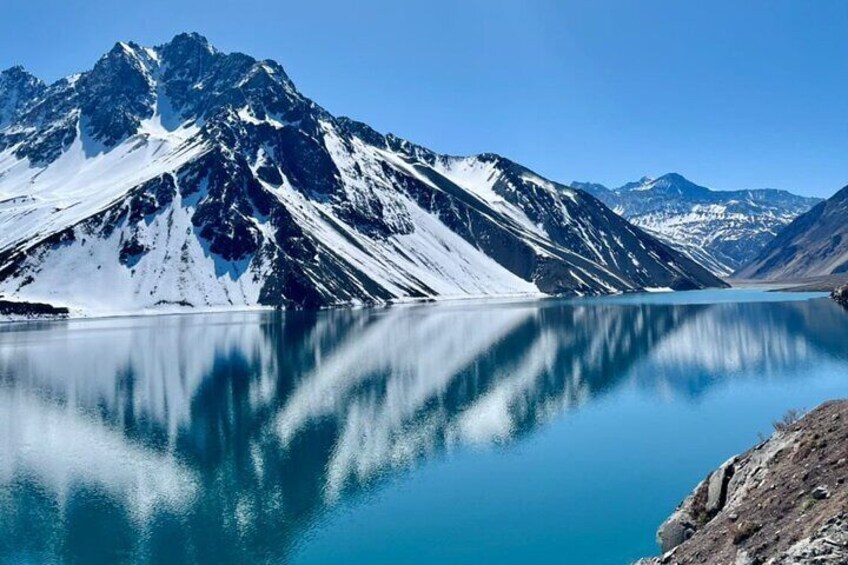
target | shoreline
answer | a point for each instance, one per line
(824, 283)
(72, 315)
(406, 302)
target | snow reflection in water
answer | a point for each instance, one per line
(235, 432)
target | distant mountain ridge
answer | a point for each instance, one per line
(814, 245)
(179, 176)
(721, 230)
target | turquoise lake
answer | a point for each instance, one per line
(553, 431)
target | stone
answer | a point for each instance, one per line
(673, 533)
(820, 492)
(840, 295)
(717, 488)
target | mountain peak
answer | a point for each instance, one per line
(18, 87)
(186, 58)
(672, 177)
(124, 48)
(676, 185)
(16, 72)
(191, 41)
(17, 77)
(669, 182)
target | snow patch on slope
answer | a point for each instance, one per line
(36, 201)
(479, 177)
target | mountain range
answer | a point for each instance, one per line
(179, 176)
(722, 230)
(814, 245)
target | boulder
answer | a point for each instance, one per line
(840, 295)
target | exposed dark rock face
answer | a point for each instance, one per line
(179, 174)
(30, 310)
(783, 502)
(18, 89)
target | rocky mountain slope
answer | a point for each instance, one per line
(783, 502)
(722, 230)
(179, 176)
(815, 244)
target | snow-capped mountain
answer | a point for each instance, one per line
(814, 245)
(181, 176)
(721, 230)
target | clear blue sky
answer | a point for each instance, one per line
(731, 94)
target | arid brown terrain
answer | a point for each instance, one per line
(783, 502)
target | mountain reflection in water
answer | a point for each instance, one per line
(225, 437)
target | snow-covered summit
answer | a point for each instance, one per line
(179, 176)
(721, 230)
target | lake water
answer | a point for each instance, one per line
(552, 431)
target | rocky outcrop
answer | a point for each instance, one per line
(12, 310)
(783, 502)
(840, 295)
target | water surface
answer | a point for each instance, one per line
(548, 432)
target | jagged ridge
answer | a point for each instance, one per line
(180, 176)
